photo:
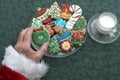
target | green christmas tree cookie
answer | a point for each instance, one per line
(36, 23)
(53, 46)
(80, 24)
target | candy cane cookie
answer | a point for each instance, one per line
(77, 12)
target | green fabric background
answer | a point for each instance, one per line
(93, 61)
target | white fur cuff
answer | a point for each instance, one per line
(21, 64)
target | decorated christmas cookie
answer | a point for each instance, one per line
(36, 23)
(64, 27)
(78, 37)
(40, 37)
(66, 46)
(49, 29)
(80, 24)
(54, 47)
(60, 22)
(58, 29)
(66, 13)
(43, 16)
(54, 11)
(66, 35)
(78, 34)
(77, 12)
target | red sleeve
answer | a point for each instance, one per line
(8, 74)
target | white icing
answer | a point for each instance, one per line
(66, 45)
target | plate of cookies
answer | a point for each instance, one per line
(64, 27)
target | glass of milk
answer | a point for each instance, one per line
(104, 28)
(106, 22)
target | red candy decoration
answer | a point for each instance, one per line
(66, 8)
(78, 35)
(38, 29)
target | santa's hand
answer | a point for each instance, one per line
(23, 45)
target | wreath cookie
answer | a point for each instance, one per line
(40, 37)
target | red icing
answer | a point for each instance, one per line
(47, 20)
(38, 29)
(66, 8)
(41, 12)
(76, 16)
(78, 35)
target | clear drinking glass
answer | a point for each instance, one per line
(104, 28)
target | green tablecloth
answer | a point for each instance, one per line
(92, 62)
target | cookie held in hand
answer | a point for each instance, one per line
(41, 37)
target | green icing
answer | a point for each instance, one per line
(36, 23)
(40, 37)
(54, 10)
(78, 42)
(53, 46)
(69, 38)
(80, 24)
(64, 31)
